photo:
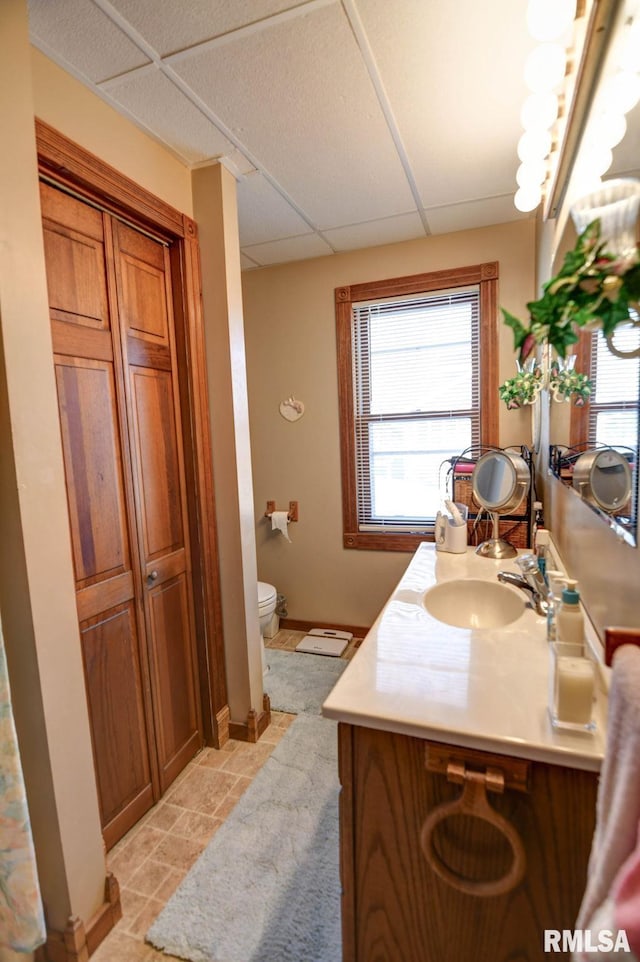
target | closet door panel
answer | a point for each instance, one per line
(93, 465)
(157, 462)
(144, 306)
(173, 675)
(74, 254)
(117, 714)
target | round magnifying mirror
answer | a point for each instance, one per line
(603, 478)
(500, 481)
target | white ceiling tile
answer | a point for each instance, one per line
(390, 230)
(263, 213)
(298, 95)
(453, 73)
(477, 213)
(82, 35)
(288, 249)
(246, 264)
(182, 24)
(152, 99)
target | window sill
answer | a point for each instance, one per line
(380, 541)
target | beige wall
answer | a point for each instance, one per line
(64, 103)
(215, 204)
(37, 597)
(290, 339)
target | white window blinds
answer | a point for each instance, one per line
(613, 411)
(416, 378)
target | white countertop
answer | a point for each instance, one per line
(477, 688)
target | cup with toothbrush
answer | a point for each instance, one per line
(450, 529)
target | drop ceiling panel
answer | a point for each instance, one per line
(263, 213)
(477, 213)
(289, 249)
(183, 23)
(390, 230)
(151, 98)
(453, 73)
(297, 94)
(80, 34)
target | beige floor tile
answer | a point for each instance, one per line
(273, 735)
(149, 877)
(132, 903)
(163, 816)
(196, 825)
(179, 853)
(248, 759)
(216, 757)
(281, 719)
(170, 884)
(131, 852)
(203, 789)
(140, 925)
(120, 947)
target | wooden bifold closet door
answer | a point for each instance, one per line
(114, 352)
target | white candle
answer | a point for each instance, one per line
(574, 690)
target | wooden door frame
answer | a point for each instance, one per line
(67, 165)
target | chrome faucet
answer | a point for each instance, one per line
(531, 580)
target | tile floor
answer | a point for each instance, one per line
(153, 858)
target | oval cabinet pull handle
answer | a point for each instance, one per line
(473, 802)
(151, 577)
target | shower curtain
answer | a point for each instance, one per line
(21, 917)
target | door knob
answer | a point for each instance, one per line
(152, 577)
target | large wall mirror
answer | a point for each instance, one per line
(595, 447)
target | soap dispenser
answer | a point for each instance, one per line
(569, 619)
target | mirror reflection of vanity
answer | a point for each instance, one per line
(603, 477)
(595, 447)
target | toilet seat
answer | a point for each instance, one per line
(267, 595)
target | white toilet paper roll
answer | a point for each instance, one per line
(279, 522)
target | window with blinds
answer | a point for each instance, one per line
(613, 407)
(415, 370)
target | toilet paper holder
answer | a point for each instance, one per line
(292, 513)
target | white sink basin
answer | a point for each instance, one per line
(474, 604)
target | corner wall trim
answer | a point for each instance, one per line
(77, 942)
(255, 725)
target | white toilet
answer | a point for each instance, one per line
(267, 598)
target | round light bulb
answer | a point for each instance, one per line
(539, 111)
(608, 128)
(545, 67)
(534, 145)
(595, 157)
(629, 54)
(550, 19)
(527, 198)
(620, 92)
(531, 174)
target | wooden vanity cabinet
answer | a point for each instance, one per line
(396, 908)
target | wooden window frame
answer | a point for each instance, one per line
(486, 277)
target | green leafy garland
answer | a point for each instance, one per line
(524, 387)
(594, 289)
